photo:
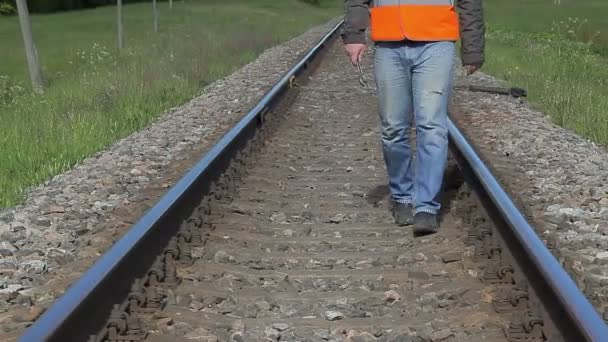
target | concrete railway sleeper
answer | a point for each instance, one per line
(282, 233)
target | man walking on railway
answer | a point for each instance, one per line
(415, 42)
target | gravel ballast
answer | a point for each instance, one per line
(64, 225)
(558, 178)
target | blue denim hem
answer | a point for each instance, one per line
(403, 201)
(425, 210)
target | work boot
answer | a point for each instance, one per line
(403, 214)
(425, 223)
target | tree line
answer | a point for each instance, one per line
(49, 6)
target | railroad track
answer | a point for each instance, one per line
(282, 233)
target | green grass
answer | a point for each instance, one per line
(96, 95)
(559, 53)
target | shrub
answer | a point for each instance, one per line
(7, 9)
(313, 2)
(50, 6)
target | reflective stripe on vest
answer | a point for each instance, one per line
(420, 20)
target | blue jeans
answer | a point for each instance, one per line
(415, 77)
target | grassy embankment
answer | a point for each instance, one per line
(559, 53)
(96, 96)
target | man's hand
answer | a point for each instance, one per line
(355, 51)
(472, 68)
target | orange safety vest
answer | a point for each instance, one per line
(419, 20)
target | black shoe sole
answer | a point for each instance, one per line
(404, 224)
(421, 231)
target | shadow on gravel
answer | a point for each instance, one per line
(452, 181)
(377, 194)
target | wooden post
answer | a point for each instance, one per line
(30, 49)
(119, 24)
(155, 10)
(170, 4)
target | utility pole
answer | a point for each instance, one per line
(119, 24)
(155, 10)
(30, 49)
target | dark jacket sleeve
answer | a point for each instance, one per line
(472, 31)
(356, 21)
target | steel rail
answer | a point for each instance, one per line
(574, 315)
(80, 312)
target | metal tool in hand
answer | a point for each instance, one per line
(362, 79)
(515, 92)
